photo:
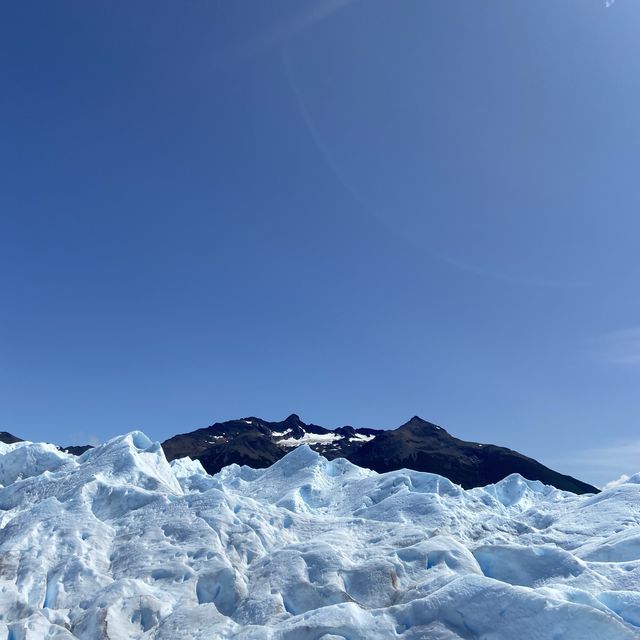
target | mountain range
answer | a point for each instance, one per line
(417, 444)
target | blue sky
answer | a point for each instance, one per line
(358, 211)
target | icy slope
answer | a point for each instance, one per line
(120, 544)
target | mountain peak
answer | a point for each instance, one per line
(294, 418)
(417, 421)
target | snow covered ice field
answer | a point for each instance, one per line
(120, 544)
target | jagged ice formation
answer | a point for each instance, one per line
(120, 544)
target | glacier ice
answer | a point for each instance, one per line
(120, 544)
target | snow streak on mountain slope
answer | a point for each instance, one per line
(120, 544)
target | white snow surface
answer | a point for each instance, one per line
(361, 437)
(120, 544)
(279, 434)
(311, 438)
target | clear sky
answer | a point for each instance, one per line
(355, 210)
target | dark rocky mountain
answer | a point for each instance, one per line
(76, 450)
(259, 443)
(417, 444)
(8, 438)
(424, 446)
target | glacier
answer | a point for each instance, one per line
(120, 544)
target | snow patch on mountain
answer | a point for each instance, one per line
(311, 438)
(361, 437)
(118, 543)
